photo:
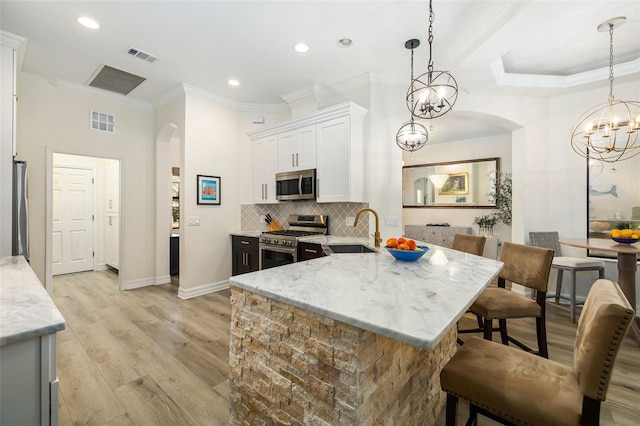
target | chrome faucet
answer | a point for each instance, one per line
(376, 235)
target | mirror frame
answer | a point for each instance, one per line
(452, 206)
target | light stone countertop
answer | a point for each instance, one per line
(413, 302)
(26, 309)
(246, 233)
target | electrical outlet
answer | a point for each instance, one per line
(194, 220)
(350, 220)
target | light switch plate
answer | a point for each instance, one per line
(391, 221)
(194, 220)
(350, 220)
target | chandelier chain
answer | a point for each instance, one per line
(611, 63)
(430, 38)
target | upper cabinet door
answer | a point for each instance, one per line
(340, 158)
(297, 149)
(265, 164)
(112, 185)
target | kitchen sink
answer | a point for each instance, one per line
(349, 248)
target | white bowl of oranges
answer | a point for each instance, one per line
(625, 236)
(405, 249)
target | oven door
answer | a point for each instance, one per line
(272, 256)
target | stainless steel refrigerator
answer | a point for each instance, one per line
(20, 245)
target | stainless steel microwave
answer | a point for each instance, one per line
(298, 185)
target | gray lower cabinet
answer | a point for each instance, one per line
(439, 235)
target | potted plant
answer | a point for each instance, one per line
(486, 223)
(501, 197)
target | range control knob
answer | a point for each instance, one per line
(274, 241)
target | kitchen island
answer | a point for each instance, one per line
(349, 338)
(29, 321)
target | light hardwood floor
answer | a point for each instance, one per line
(146, 357)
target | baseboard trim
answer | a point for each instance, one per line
(163, 279)
(142, 282)
(101, 267)
(203, 289)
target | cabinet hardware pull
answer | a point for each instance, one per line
(293, 164)
(110, 217)
(245, 242)
(266, 193)
(310, 251)
(297, 160)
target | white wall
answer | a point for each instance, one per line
(212, 146)
(55, 119)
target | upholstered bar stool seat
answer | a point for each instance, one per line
(517, 387)
(513, 384)
(496, 302)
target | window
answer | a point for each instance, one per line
(175, 194)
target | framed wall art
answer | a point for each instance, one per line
(209, 190)
(456, 184)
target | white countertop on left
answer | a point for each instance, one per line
(413, 302)
(26, 309)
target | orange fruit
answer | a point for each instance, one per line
(402, 240)
(392, 243)
(637, 232)
(615, 233)
(403, 246)
(411, 244)
(626, 233)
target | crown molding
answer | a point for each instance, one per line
(336, 111)
(504, 78)
(11, 40)
(98, 93)
(314, 89)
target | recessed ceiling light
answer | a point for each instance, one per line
(88, 22)
(301, 48)
(233, 82)
(344, 42)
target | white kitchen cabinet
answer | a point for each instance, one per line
(28, 364)
(112, 240)
(265, 167)
(112, 185)
(330, 140)
(339, 149)
(297, 149)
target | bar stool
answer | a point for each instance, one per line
(563, 263)
(515, 387)
(525, 265)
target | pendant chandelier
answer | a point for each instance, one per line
(433, 93)
(412, 136)
(608, 132)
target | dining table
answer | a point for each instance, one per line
(627, 255)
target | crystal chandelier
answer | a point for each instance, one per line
(608, 132)
(433, 93)
(412, 136)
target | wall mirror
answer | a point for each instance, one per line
(463, 184)
(613, 199)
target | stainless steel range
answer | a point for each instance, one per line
(281, 247)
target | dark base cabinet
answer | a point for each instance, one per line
(244, 255)
(308, 251)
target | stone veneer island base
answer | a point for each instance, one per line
(292, 366)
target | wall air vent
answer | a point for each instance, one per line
(102, 121)
(145, 56)
(115, 80)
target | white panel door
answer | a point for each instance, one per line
(72, 239)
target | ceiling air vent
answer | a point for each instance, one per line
(145, 56)
(115, 80)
